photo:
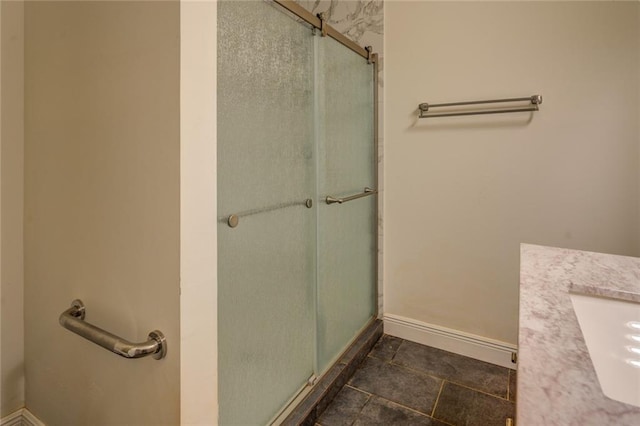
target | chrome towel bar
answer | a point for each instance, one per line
(367, 192)
(73, 319)
(534, 102)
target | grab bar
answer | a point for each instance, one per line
(73, 319)
(367, 192)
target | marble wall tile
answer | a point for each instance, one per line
(360, 20)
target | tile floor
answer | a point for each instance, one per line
(405, 383)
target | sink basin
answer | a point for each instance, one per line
(611, 329)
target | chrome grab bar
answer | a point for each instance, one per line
(367, 192)
(73, 319)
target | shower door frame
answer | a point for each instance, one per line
(366, 52)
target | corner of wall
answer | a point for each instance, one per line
(21, 417)
(198, 206)
(638, 122)
(12, 396)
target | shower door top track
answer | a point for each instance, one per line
(319, 23)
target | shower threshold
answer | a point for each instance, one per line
(307, 411)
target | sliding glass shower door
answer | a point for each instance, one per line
(346, 167)
(296, 274)
(266, 172)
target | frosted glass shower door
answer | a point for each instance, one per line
(266, 172)
(346, 231)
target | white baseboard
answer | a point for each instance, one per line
(29, 419)
(477, 347)
(22, 417)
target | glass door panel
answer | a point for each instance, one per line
(266, 171)
(346, 232)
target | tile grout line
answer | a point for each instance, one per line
(432, 415)
(479, 391)
(357, 389)
(396, 351)
(433, 412)
(361, 409)
(423, 373)
(391, 361)
(347, 385)
(389, 400)
(409, 370)
(413, 410)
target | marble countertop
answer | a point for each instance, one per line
(557, 384)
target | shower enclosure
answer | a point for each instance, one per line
(297, 204)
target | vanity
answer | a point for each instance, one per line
(578, 309)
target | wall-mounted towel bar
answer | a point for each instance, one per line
(533, 101)
(366, 192)
(73, 319)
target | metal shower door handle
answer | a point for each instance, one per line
(367, 192)
(73, 319)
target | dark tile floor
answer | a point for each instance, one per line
(405, 383)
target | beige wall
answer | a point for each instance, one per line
(462, 193)
(11, 201)
(102, 152)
